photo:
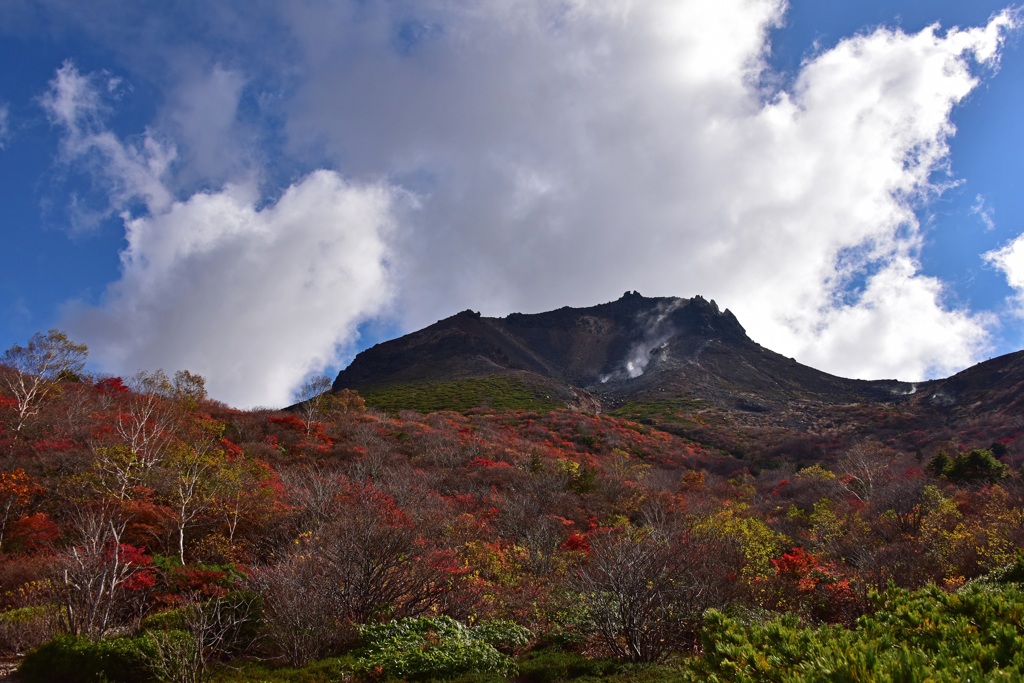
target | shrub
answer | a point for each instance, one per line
(27, 627)
(977, 466)
(552, 665)
(495, 391)
(436, 647)
(973, 634)
(177, 656)
(302, 620)
(168, 619)
(502, 634)
(199, 632)
(76, 659)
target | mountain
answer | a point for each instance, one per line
(682, 363)
(630, 349)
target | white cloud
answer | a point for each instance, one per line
(565, 155)
(252, 295)
(899, 328)
(252, 298)
(1010, 260)
(984, 212)
(203, 118)
(75, 103)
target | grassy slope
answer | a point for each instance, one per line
(498, 392)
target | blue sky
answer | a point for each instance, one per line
(256, 190)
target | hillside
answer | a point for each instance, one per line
(146, 530)
(683, 365)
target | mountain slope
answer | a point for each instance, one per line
(684, 366)
(635, 348)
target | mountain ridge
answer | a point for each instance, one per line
(616, 351)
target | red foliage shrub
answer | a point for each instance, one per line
(198, 580)
(577, 542)
(34, 532)
(44, 445)
(231, 449)
(485, 463)
(145, 578)
(293, 422)
(820, 590)
(112, 386)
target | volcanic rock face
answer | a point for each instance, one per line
(630, 349)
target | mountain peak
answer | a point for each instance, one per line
(605, 347)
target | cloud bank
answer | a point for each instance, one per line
(536, 155)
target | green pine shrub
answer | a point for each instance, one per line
(974, 634)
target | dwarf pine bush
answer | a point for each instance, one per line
(975, 634)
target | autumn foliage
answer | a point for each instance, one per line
(124, 502)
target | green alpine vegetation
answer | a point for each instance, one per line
(498, 392)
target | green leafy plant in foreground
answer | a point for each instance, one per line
(438, 648)
(975, 634)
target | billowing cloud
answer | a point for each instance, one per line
(898, 327)
(252, 298)
(566, 155)
(252, 295)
